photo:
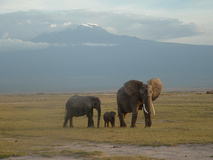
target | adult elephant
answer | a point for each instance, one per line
(80, 105)
(134, 95)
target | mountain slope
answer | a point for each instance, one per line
(91, 33)
(81, 67)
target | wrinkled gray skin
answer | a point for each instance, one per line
(132, 96)
(109, 117)
(82, 105)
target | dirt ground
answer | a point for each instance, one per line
(180, 152)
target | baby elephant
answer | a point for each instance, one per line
(109, 117)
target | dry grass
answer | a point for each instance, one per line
(31, 123)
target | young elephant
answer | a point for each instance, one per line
(82, 105)
(109, 117)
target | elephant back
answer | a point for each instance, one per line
(76, 101)
(93, 100)
(132, 87)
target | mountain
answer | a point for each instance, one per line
(91, 33)
(87, 57)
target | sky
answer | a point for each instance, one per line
(179, 21)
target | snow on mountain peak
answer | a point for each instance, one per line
(90, 25)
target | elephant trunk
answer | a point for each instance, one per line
(99, 117)
(147, 112)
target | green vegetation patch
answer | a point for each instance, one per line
(11, 154)
(10, 147)
(69, 153)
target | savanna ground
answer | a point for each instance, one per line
(31, 128)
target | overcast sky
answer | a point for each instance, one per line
(182, 21)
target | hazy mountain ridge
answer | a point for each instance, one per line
(99, 67)
(83, 33)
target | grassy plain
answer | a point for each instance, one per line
(32, 123)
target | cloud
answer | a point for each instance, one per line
(8, 45)
(53, 25)
(24, 22)
(111, 30)
(100, 44)
(67, 23)
(29, 21)
(5, 35)
(160, 29)
(138, 25)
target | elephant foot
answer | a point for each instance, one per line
(90, 126)
(124, 125)
(133, 126)
(65, 125)
(148, 124)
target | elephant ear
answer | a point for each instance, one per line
(132, 87)
(156, 87)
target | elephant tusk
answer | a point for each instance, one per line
(144, 108)
(153, 108)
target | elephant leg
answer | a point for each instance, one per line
(108, 124)
(90, 122)
(71, 122)
(112, 124)
(148, 121)
(105, 123)
(122, 118)
(134, 114)
(90, 119)
(65, 122)
(134, 118)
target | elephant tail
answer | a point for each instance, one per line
(65, 115)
